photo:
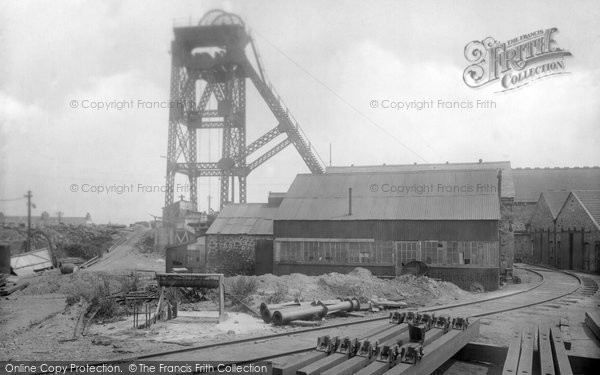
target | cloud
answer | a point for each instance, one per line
(117, 51)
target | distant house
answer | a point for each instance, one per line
(565, 230)
(542, 227)
(530, 183)
(578, 231)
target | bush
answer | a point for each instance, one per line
(280, 294)
(242, 287)
(107, 308)
(97, 289)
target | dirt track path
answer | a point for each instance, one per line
(127, 257)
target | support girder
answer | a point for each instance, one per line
(263, 140)
(268, 155)
(283, 116)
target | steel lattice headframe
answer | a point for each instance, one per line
(224, 77)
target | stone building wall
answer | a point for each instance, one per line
(573, 219)
(542, 217)
(521, 216)
(506, 235)
(232, 254)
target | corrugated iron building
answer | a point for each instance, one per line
(448, 219)
(511, 227)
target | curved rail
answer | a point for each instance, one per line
(364, 321)
(494, 298)
(262, 339)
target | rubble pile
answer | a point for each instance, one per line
(359, 283)
(146, 243)
(65, 241)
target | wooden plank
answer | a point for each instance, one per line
(289, 364)
(11, 290)
(335, 359)
(511, 362)
(476, 351)
(438, 352)
(222, 315)
(592, 321)
(561, 360)
(566, 336)
(564, 322)
(545, 350)
(526, 359)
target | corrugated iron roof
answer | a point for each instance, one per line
(530, 183)
(244, 218)
(508, 187)
(27, 263)
(416, 195)
(590, 200)
(555, 200)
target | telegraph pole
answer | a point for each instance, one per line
(29, 196)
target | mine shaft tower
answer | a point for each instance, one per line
(223, 77)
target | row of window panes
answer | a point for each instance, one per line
(382, 252)
(448, 252)
(338, 252)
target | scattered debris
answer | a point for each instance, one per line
(8, 288)
(102, 340)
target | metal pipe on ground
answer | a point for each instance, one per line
(273, 307)
(267, 311)
(284, 316)
(349, 305)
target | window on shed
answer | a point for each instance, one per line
(365, 252)
(429, 251)
(353, 251)
(407, 251)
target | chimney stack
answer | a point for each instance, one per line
(349, 201)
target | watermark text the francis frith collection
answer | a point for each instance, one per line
(514, 63)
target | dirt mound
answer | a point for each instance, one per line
(358, 283)
(64, 240)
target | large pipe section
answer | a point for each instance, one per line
(266, 311)
(318, 309)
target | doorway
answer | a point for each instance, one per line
(570, 251)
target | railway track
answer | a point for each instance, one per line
(554, 285)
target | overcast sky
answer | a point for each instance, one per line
(328, 61)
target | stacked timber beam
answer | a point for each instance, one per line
(410, 343)
(8, 287)
(592, 321)
(195, 280)
(553, 359)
